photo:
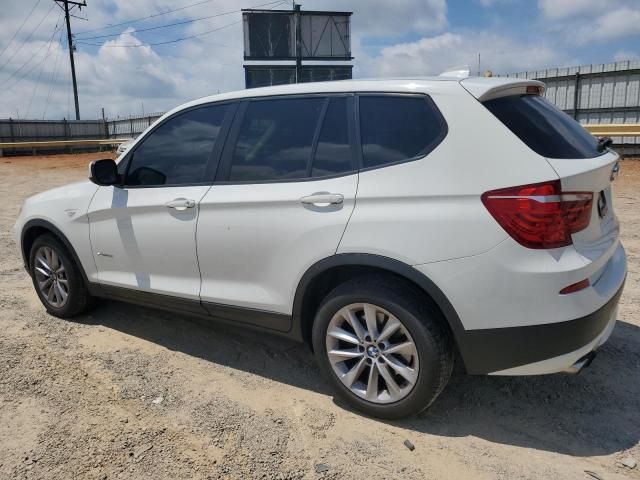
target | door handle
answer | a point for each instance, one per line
(322, 199)
(181, 203)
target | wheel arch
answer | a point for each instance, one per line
(37, 227)
(321, 277)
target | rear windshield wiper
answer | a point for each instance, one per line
(604, 143)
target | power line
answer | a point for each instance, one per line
(13, 74)
(144, 18)
(176, 40)
(54, 76)
(183, 22)
(20, 28)
(27, 39)
(35, 88)
(24, 76)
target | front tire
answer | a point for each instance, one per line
(384, 348)
(57, 278)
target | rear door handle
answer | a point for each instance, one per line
(322, 199)
(181, 203)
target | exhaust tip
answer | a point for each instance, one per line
(582, 363)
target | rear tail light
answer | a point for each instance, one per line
(540, 215)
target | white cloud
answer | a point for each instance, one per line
(384, 18)
(556, 9)
(118, 79)
(13, 17)
(618, 23)
(433, 55)
(116, 76)
(127, 72)
(581, 22)
(493, 3)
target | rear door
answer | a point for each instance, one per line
(281, 202)
(143, 232)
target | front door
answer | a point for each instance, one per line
(143, 232)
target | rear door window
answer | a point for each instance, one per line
(333, 152)
(396, 128)
(543, 127)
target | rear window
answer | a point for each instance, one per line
(546, 129)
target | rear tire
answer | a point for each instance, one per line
(57, 278)
(390, 376)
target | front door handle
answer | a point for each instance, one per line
(181, 203)
(322, 199)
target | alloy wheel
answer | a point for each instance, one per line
(372, 353)
(51, 277)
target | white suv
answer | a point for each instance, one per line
(393, 225)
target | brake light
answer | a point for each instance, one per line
(540, 215)
(534, 90)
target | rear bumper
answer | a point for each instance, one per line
(509, 318)
(538, 349)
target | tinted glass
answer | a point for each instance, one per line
(333, 153)
(547, 130)
(397, 128)
(177, 152)
(275, 139)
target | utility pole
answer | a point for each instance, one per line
(66, 9)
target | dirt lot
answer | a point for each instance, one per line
(133, 393)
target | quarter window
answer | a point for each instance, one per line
(275, 139)
(177, 152)
(398, 128)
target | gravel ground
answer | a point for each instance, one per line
(127, 392)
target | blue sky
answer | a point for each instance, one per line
(126, 73)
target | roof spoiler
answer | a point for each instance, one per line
(485, 90)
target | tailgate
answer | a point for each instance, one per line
(581, 162)
(593, 175)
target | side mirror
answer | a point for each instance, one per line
(104, 172)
